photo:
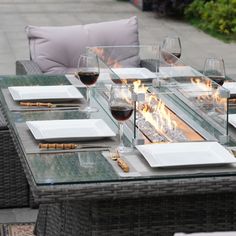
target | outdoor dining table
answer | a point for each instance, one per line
(84, 192)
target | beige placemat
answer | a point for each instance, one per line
(14, 106)
(139, 167)
(32, 146)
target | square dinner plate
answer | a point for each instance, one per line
(134, 73)
(186, 154)
(232, 119)
(178, 71)
(45, 93)
(231, 86)
(70, 130)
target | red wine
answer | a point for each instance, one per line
(169, 58)
(88, 78)
(121, 113)
(177, 54)
(219, 80)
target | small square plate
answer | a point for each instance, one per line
(178, 71)
(134, 73)
(70, 130)
(232, 119)
(186, 154)
(45, 93)
(231, 86)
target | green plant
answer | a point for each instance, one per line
(170, 7)
(215, 16)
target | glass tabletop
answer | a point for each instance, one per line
(87, 166)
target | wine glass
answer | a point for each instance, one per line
(170, 49)
(214, 68)
(121, 107)
(88, 72)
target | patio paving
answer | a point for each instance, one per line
(16, 14)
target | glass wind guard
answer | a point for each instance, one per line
(205, 100)
(128, 63)
(195, 99)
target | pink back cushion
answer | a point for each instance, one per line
(57, 49)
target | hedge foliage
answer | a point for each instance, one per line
(170, 7)
(213, 16)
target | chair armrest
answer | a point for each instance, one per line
(27, 67)
(151, 64)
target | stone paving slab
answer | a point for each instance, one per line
(16, 14)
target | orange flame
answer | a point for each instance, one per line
(212, 97)
(139, 87)
(154, 110)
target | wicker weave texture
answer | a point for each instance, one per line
(144, 216)
(27, 67)
(13, 184)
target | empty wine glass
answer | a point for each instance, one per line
(214, 68)
(121, 107)
(170, 49)
(88, 72)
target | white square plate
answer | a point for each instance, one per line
(186, 154)
(45, 93)
(178, 71)
(231, 86)
(69, 130)
(134, 73)
(232, 119)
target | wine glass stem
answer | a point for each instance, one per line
(121, 132)
(88, 92)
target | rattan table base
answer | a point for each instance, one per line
(163, 215)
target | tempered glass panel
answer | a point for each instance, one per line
(74, 167)
(82, 167)
(206, 99)
(194, 98)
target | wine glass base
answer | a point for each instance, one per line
(89, 109)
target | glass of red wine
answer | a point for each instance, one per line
(214, 68)
(171, 49)
(88, 72)
(121, 107)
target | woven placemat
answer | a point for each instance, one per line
(15, 106)
(32, 146)
(17, 229)
(139, 167)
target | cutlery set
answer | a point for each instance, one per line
(115, 156)
(48, 105)
(67, 146)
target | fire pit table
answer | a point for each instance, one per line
(84, 192)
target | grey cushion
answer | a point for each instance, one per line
(57, 49)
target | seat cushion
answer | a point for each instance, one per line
(57, 49)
